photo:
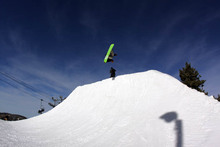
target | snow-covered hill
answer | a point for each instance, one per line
(137, 110)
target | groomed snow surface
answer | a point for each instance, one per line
(147, 109)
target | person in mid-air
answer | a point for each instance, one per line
(112, 71)
(110, 58)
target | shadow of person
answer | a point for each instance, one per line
(172, 116)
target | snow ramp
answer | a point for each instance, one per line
(147, 109)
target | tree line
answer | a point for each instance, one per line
(191, 77)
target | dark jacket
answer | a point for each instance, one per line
(112, 71)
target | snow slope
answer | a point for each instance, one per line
(137, 110)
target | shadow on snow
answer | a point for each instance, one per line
(173, 117)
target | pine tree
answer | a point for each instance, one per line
(218, 98)
(191, 77)
(56, 101)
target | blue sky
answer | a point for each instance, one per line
(57, 45)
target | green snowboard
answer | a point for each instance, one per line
(108, 53)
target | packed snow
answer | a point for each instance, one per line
(147, 109)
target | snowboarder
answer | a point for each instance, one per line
(112, 71)
(110, 54)
(110, 58)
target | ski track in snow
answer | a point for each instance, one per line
(125, 112)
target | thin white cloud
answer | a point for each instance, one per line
(89, 21)
(41, 70)
(57, 16)
(14, 41)
(166, 30)
(210, 73)
(44, 76)
(210, 17)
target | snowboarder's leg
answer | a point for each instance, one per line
(110, 60)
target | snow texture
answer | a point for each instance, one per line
(138, 110)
